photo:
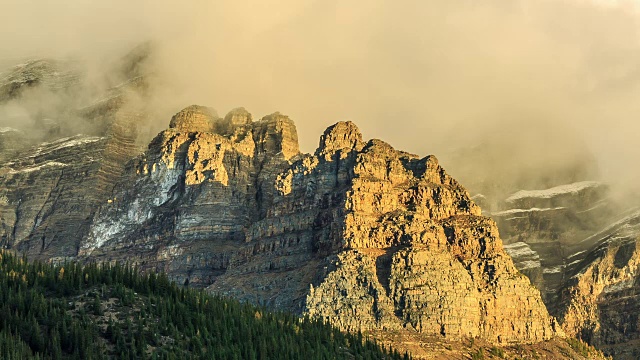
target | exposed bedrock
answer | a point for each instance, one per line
(358, 233)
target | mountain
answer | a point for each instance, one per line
(65, 151)
(358, 234)
(544, 229)
(600, 295)
(577, 244)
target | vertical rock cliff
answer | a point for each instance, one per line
(600, 297)
(358, 233)
(578, 245)
(544, 229)
(52, 190)
(72, 141)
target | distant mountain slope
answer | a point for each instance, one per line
(66, 147)
(578, 246)
(600, 299)
(358, 233)
(552, 223)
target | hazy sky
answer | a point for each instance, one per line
(427, 76)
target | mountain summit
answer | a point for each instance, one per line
(360, 234)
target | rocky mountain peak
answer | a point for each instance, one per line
(237, 123)
(431, 161)
(238, 116)
(194, 118)
(341, 135)
(379, 147)
(359, 234)
(276, 134)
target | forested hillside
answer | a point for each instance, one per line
(70, 311)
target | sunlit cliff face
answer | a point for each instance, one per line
(535, 84)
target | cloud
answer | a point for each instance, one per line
(547, 81)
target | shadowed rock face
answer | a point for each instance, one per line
(52, 191)
(12, 142)
(52, 183)
(544, 230)
(360, 234)
(51, 74)
(53, 179)
(600, 298)
(579, 247)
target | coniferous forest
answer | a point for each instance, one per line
(73, 311)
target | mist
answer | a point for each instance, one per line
(531, 85)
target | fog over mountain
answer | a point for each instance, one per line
(528, 84)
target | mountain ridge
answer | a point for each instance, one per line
(235, 205)
(358, 234)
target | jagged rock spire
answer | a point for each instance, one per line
(388, 239)
(194, 118)
(341, 135)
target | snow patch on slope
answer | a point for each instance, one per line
(521, 211)
(528, 264)
(618, 226)
(8, 130)
(554, 191)
(45, 148)
(553, 270)
(520, 249)
(47, 164)
(622, 285)
(577, 254)
(523, 256)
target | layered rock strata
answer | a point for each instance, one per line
(52, 75)
(12, 142)
(52, 192)
(544, 230)
(358, 233)
(600, 301)
(53, 179)
(578, 246)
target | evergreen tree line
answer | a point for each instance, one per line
(107, 311)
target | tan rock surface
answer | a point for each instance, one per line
(360, 234)
(601, 297)
(193, 119)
